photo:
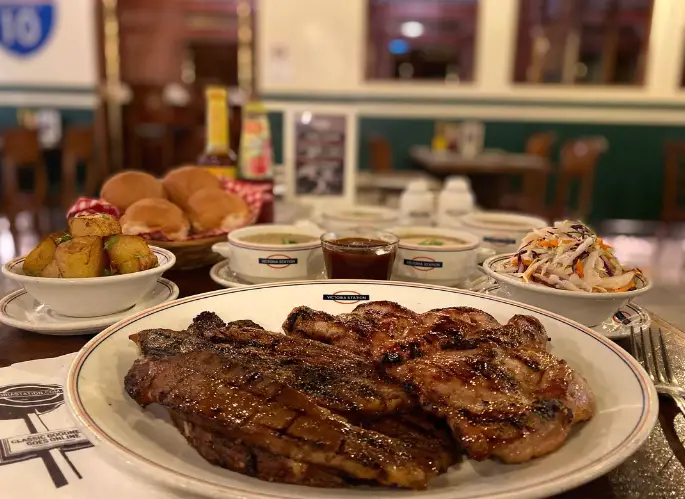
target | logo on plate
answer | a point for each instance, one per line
(499, 241)
(29, 402)
(278, 261)
(346, 297)
(423, 263)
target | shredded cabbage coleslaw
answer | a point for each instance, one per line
(570, 256)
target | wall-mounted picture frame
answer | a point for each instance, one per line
(320, 156)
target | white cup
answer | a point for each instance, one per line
(499, 231)
(443, 265)
(259, 263)
(359, 217)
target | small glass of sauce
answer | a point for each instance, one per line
(359, 254)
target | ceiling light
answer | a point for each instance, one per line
(412, 29)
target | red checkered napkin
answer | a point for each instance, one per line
(254, 196)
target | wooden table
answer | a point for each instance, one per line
(490, 173)
(655, 471)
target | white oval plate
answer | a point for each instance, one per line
(21, 310)
(143, 442)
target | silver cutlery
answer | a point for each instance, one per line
(648, 347)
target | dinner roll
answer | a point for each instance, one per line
(183, 182)
(151, 215)
(210, 209)
(125, 188)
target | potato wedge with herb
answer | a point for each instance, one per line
(82, 256)
(94, 225)
(129, 254)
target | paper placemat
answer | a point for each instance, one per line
(43, 453)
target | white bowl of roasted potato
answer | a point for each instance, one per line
(91, 270)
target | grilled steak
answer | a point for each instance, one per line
(502, 394)
(386, 331)
(249, 460)
(219, 394)
(333, 378)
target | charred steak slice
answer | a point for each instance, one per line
(333, 378)
(514, 406)
(262, 411)
(385, 331)
(250, 460)
(502, 394)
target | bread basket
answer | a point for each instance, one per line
(196, 251)
(193, 253)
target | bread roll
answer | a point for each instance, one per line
(125, 188)
(183, 182)
(150, 215)
(211, 209)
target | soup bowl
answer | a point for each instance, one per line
(273, 253)
(589, 309)
(90, 296)
(433, 255)
(359, 217)
(499, 231)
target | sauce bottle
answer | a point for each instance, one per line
(256, 158)
(218, 156)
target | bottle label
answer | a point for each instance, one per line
(256, 162)
(227, 172)
(217, 121)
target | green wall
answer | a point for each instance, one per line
(629, 178)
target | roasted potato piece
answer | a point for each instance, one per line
(82, 256)
(94, 225)
(129, 254)
(40, 257)
(51, 270)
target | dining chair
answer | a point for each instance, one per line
(673, 200)
(541, 144)
(22, 154)
(78, 149)
(380, 154)
(577, 163)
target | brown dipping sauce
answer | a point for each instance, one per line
(359, 258)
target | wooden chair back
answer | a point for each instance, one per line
(380, 154)
(78, 148)
(578, 161)
(673, 201)
(21, 150)
(540, 144)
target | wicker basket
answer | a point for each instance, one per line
(194, 253)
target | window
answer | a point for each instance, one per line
(422, 40)
(597, 42)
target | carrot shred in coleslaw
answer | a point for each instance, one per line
(570, 256)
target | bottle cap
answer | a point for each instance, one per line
(457, 183)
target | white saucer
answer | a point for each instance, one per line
(222, 274)
(20, 310)
(616, 327)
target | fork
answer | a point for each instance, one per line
(662, 376)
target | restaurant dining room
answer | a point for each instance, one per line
(374, 247)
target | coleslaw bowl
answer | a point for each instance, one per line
(589, 309)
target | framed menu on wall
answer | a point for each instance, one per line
(321, 165)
